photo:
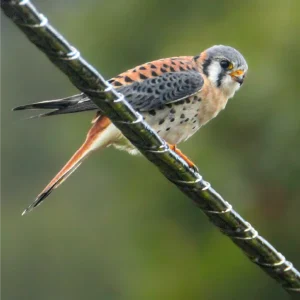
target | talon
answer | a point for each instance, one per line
(195, 168)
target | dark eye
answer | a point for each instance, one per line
(227, 65)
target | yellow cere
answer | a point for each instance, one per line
(237, 73)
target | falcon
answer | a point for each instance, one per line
(176, 96)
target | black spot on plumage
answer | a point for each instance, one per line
(196, 57)
(117, 83)
(186, 120)
(152, 66)
(194, 127)
(196, 115)
(188, 100)
(110, 80)
(152, 112)
(173, 63)
(181, 69)
(172, 111)
(162, 87)
(163, 70)
(195, 98)
(169, 105)
(149, 90)
(194, 121)
(166, 66)
(134, 70)
(172, 120)
(181, 62)
(128, 79)
(182, 116)
(172, 69)
(168, 129)
(161, 121)
(188, 67)
(199, 99)
(142, 76)
(179, 102)
(184, 108)
(154, 73)
(158, 131)
(164, 97)
(142, 68)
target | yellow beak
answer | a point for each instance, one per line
(238, 76)
(237, 73)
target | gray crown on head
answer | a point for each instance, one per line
(227, 52)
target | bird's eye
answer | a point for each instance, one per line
(225, 64)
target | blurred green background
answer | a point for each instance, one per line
(117, 229)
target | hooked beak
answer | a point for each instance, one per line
(238, 76)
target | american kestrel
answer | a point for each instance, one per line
(176, 96)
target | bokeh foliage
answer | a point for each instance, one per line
(117, 229)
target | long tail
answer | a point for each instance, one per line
(73, 104)
(99, 136)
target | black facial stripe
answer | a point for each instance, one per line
(205, 66)
(220, 77)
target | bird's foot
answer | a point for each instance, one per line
(184, 157)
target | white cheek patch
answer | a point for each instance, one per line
(229, 86)
(214, 70)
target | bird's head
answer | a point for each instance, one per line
(225, 67)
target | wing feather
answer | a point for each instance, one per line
(146, 87)
(158, 91)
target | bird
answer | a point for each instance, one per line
(176, 96)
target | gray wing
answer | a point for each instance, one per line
(151, 93)
(158, 91)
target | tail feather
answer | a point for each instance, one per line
(73, 104)
(54, 104)
(94, 141)
(55, 183)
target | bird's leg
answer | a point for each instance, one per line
(184, 157)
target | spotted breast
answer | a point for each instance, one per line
(171, 95)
